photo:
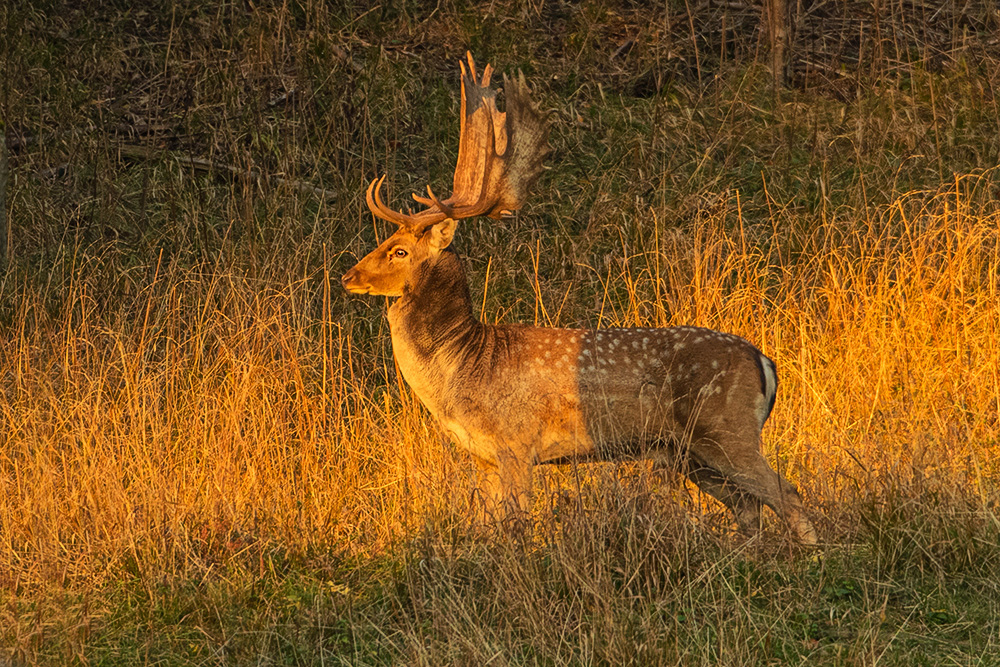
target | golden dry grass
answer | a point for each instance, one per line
(224, 415)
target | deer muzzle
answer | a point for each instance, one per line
(353, 282)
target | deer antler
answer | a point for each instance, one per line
(499, 156)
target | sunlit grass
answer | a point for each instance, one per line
(223, 428)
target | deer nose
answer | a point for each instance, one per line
(349, 278)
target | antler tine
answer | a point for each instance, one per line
(375, 204)
(432, 200)
(374, 200)
(472, 66)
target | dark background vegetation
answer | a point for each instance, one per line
(653, 105)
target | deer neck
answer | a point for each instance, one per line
(433, 327)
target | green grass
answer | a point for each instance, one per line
(208, 457)
(609, 592)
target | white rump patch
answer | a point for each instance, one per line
(770, 388)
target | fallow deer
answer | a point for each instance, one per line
(514, 396)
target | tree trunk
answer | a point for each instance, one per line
(776, 15)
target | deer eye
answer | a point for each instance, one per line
(398, 253)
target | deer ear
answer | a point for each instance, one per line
(442, 233)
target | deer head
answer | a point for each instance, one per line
(499, 158)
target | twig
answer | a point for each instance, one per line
(736, 5)
(282, 98)
(625, 47)
(18, 144)
(344, 56)
(130, 151)
(57, 171)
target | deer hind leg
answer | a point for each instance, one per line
(744, 506)
(751, 473)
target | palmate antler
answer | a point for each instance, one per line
(499, 156)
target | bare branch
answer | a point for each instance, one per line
(130, 151)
